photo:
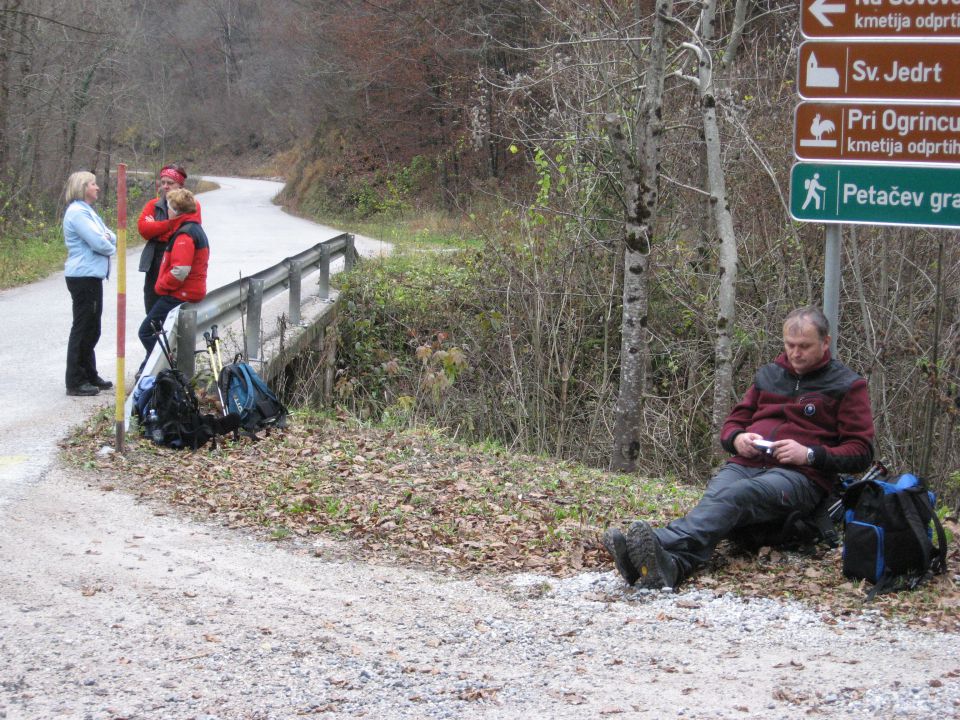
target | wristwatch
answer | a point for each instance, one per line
(810, 456)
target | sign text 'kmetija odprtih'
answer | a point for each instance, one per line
(880, 18)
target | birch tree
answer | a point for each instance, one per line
(638, 154)
(711, 85)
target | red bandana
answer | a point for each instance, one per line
(178, 178)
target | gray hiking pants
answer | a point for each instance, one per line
(736, 496)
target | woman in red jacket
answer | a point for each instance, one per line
(183, 272)
(155, 226)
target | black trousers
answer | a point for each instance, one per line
(157, 315)
(87, 296)
(150, 279)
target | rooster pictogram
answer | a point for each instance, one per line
(820, 127)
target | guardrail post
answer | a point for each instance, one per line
(328, 353)
(294, 271)
(254, 311)
(186, 340)
(323, 282)
(350, 256)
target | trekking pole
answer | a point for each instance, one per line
(213, 348)
(243, 324)
(215, 369)
(215, 335)
(210, 356)
(215, 339)
(164, 345)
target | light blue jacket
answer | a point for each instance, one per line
(89, 242)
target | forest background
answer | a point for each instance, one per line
(596, 192)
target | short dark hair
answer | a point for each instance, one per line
(811, 314)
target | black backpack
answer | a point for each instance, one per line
(246, 394)
(888, 534)
(170, 414)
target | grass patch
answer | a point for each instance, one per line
(430, 230)
(26, 258)
(203, 185)
(426, 231)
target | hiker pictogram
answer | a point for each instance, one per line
(814, 188)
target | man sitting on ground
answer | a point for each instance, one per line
(806, 418)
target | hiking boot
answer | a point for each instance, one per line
(656, 568)
(101, 384)
(616, 545)
(84, 389)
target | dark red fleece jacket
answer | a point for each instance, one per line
(827, 409)
(188, 248)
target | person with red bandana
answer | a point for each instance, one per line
(155, 227)
(805, 418)
(183, 270)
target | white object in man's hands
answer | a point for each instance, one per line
(765, 446)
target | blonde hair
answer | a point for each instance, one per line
(77, 185)
(182, 200)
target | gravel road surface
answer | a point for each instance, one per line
(110, 608)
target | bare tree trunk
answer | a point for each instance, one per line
(722, 216)
(640, 175)
(934, 374)
(8, 17)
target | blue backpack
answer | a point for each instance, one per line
(141, 395)
(888, 534)
(246, 394)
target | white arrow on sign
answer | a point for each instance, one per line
(820, 8)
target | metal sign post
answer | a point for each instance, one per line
(831, 283)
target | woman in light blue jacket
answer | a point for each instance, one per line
(89, 247)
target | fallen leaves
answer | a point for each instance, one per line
(793, 664)
(478, 693)
(424, 500)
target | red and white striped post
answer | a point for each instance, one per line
(121, 301)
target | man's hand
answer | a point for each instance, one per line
(790, 452)
(743, 444)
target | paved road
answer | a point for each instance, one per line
(247, 233)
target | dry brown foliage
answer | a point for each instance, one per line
(424, 500)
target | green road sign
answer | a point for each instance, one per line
(876, 194)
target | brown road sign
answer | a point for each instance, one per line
(880, 18)
(879, 71)
(877, 132)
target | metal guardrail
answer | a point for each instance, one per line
(185, 323)
(247, 295)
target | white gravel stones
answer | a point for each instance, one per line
(109, 611)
